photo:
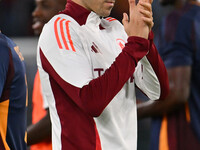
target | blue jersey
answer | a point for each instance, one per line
(179, 45)
(13, 96)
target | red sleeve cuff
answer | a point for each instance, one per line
(141, 42)
(137, 47)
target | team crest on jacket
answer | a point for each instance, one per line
(121, 43)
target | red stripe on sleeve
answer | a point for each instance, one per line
(56, 32)
(113, 19)
(108, 18)
(63, 35)
(69, 36)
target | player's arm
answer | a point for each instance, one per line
(151, 75)
(41, 131)
(160, 70)
(179, 79)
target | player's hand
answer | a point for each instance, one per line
(147, 12)
(140, 20)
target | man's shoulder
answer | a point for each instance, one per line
(60, 32)
(5, 43)
(59, 24)
(111, 19)
(113, 23)
(61, 20)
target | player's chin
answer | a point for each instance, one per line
(106, 13)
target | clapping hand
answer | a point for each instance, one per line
(140, 20)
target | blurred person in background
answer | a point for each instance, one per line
(39, 133)
(13, 96)
(176, 122)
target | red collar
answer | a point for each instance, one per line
(76, 11)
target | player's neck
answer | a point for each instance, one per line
(80, 2)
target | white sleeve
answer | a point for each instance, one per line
(62, 47)
(44, 99)
(146, 79)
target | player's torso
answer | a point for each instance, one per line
(102, 46)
